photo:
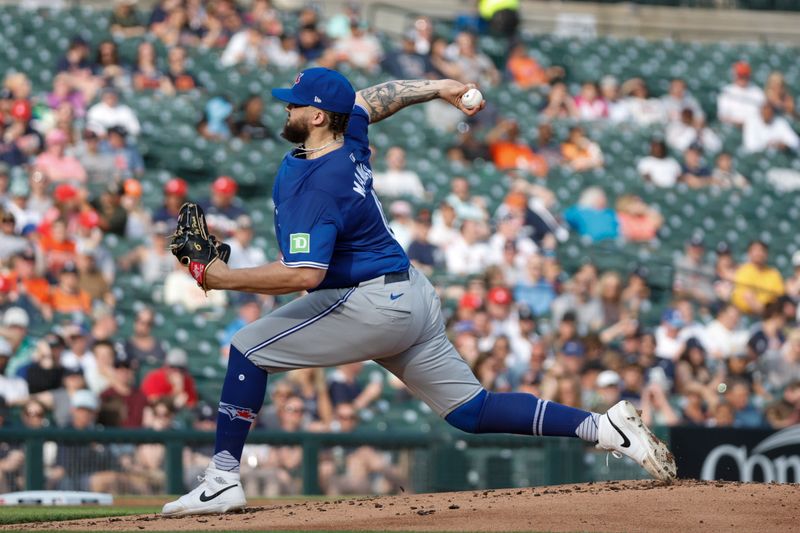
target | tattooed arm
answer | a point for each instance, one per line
(388, 98)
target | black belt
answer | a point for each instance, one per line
(394, 277)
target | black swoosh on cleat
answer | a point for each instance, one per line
(204, 498)
(626, 443)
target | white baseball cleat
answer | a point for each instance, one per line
(218, 492)
(622, 432)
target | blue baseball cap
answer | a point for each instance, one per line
(573, 349)
(320, 87)
(673, 318)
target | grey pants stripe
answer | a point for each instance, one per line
(398, 325)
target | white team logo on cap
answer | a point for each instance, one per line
(297, 79)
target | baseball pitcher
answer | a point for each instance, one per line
(364, 299)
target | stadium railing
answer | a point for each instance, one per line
(447, 461)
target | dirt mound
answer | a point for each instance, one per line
(608, 506)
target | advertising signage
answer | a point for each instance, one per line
(734, 454)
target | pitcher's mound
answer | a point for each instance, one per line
(608, 506)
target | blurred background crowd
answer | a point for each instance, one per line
(595, 235)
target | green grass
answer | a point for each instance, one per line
(23, 514)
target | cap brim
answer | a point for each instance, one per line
(287, 96)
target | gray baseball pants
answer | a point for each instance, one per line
(397, 324)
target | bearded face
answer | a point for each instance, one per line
(296, 130)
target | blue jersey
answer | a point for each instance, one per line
(328, 216)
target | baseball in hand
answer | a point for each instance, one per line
(471, 99)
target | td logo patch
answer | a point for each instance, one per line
(299, 243)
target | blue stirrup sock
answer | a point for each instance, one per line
(242, 397)
(523, 414)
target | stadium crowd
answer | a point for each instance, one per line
(726, 351)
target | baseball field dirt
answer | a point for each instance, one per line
(608, 506)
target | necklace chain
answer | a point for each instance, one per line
(314, 150)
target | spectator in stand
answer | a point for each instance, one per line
(533, 289)
(778, 96)
(138, 220)
(741, 100)
(67, 296)
(344, 386)
(578, 305)
(756, 283)
(610, 92)
(125, 21)
(402, 223)
(559, 103)
(146, 74)
(406, 63)
(142, 347)
(591, 217)
(280, 473)
(10, 243)
(245, 48)
(467, 254)
(244, 254)
(108, 67)
(397, 180)
(444, 227)
(691, 130)
(510, 230)
(179, 78)
(526, 72)
(55, 164)
(217, 120)
(638, 222)
(113, 218)
(13, 389)
(181, 289)
(589, 104)
(78, 355)
(251, 127)
(82, 466)
(45, 372)
(153, 259)
(694, 172)
(282, 52)
(546, 145)
(109, 112)
(640, 107)
(64, 94)
(510, 152)
(359, 470)
(99, 164)
(57, 248)
(768, 336)
(128, 161)
(465, 204)
(474, 65)
(311, 43)
(764, 131)
(678, 99)
(739, 397)
(172, 382)
(175, 194)
(725, 174)
(670, 339)
(694, 275)
(444, 66)
(250, 307)
(103, 375)
(723, 337)
(581, 153)
(781, 367)
(361, 49)
(423, 254)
